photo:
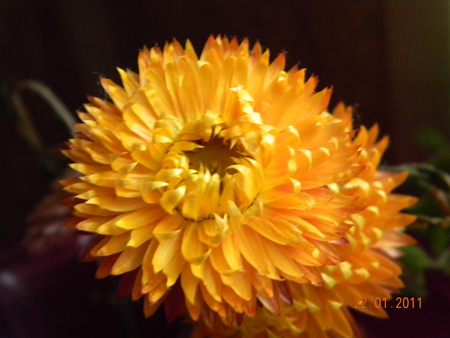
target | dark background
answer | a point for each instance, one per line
(389, 59)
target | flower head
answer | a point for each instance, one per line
(222, 173)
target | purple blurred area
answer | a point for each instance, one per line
(389, 59)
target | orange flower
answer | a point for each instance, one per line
(214, 173)
(369, 268)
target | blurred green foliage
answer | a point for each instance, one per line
(431, 183)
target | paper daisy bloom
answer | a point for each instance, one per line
(366, 278)
(212, 174)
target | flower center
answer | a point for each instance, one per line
(205, 180)
(214, 156)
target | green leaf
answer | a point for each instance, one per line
(415, 258)
(430, 138)
(439, 239)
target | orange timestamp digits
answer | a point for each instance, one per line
(378, 302)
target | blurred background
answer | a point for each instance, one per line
(391, 60)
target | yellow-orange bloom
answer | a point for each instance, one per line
(369, 270)
(213, 172)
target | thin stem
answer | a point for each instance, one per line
(45, 93)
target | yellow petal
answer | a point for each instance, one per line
(140, 217)
(166, 251)
(129, 259)
(193, 250)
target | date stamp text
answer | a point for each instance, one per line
(384, 303)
